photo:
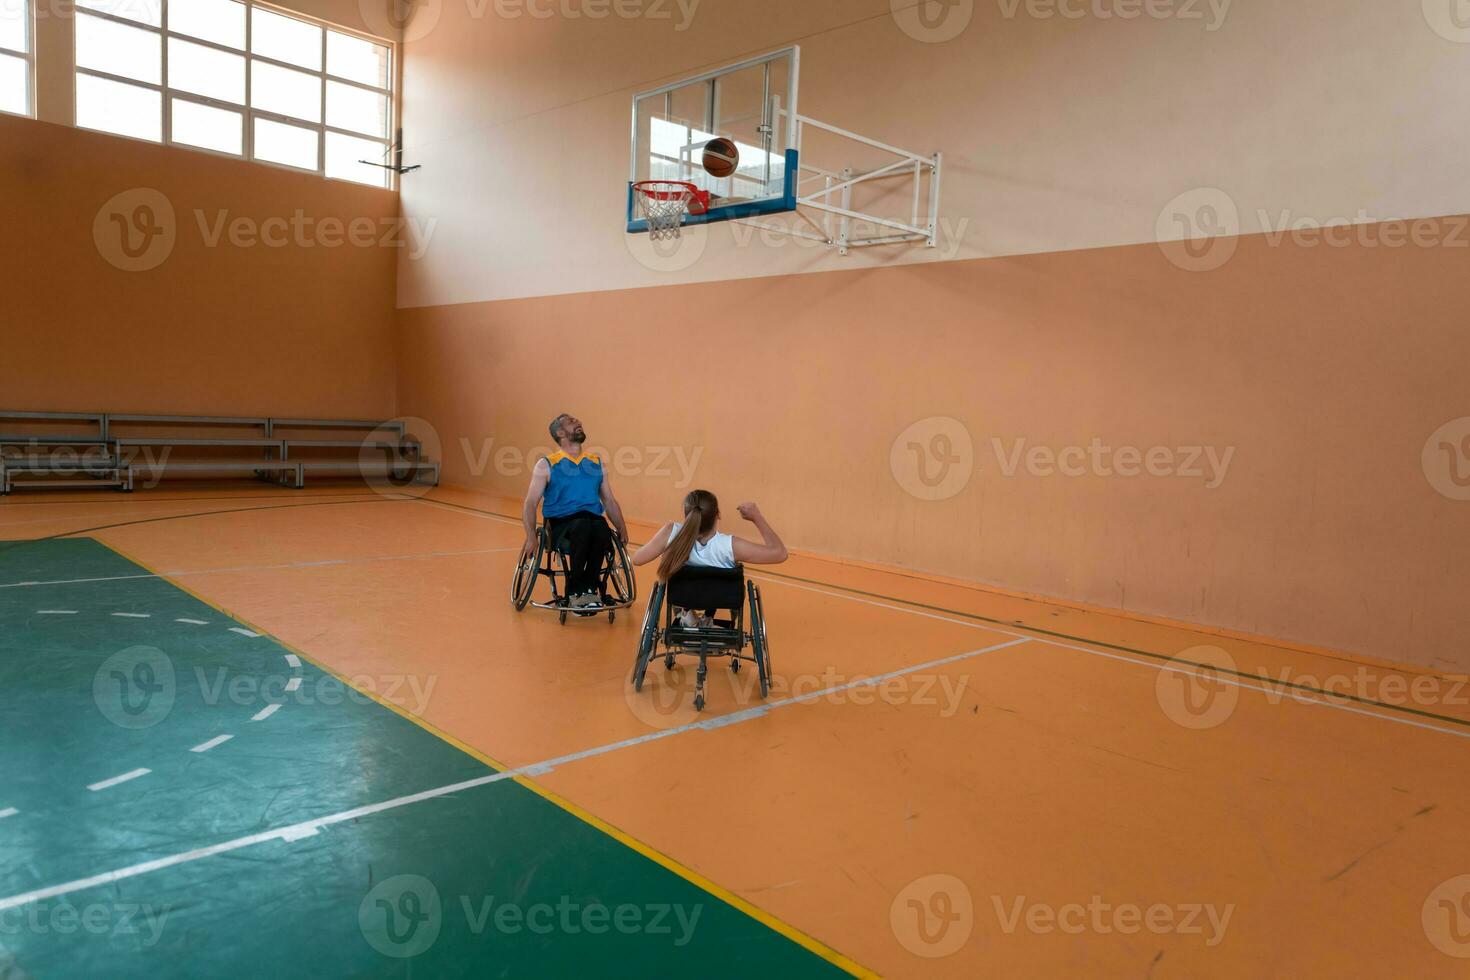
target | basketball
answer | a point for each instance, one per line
(721, 157)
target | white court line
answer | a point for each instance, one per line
(293, 660)
(115, 780)
(56, 612)
(244, 632)
(212, 743)
(9, 811)
(309, 828)
(134, 615)
(293, 684)
(259, 568)
(193, 622)
(1300, 697)
(266, 712)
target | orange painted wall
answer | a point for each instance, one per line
(1325, 368)
(298, 329)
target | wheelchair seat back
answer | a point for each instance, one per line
(699, 587)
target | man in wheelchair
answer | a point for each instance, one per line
(573, 493)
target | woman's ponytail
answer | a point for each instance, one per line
(701, 509)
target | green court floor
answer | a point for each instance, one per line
(107, 671)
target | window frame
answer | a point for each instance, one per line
(29, 57)
(248, 112)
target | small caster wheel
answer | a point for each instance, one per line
(735, 664)
(562, 616)
(699, 702)
(669, 662)
(612, 615)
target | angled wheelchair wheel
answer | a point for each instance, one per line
(760, 645)
(527, 572)
(619, 581)
(648, 638)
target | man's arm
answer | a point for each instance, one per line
(540, 476)
(610, 504)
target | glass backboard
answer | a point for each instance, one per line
(753, 105)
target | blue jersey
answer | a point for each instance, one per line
(575, 485)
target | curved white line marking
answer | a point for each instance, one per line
(266, 712)
(8, 812)
(293, 684)
(193, 622)
(134, 615)
(56, 612)
(244, 632)
(115, 780)
(293, 660)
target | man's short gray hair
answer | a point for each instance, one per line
(556, 424)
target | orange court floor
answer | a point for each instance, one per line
(945, 780)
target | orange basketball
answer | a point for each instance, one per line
(721, 157)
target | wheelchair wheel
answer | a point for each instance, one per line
(620, 582)
(760, 645)
(527, 572)
(648, 639)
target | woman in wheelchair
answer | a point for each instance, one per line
(697, 540)
(701, 570)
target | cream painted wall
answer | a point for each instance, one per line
(1059, 133)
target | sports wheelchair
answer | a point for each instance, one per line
(551, 559)
(710, 590)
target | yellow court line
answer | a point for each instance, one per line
(810, 943)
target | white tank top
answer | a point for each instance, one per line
(717, 552)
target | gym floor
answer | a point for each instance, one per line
(258, 733)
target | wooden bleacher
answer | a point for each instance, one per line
(85, 450)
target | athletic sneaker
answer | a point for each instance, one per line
(583, 600)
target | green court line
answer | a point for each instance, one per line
(492, 881)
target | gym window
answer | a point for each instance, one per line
(237, 78)
(16, 57)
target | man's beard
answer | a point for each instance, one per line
(578, 437)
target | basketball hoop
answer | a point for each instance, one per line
(665, 203)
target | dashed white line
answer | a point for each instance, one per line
(216, 741)
(293, 684)
(9, 811)
(134, 615)
(293, 660)
(244, 632)
(115, 780)
(56, 612)
(266, 712)
(193, 622)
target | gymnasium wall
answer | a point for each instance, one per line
(246, 292)
(1091, 390)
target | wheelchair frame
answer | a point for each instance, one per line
(725, 638)
(617, 581)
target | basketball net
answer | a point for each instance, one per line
(664, 204)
